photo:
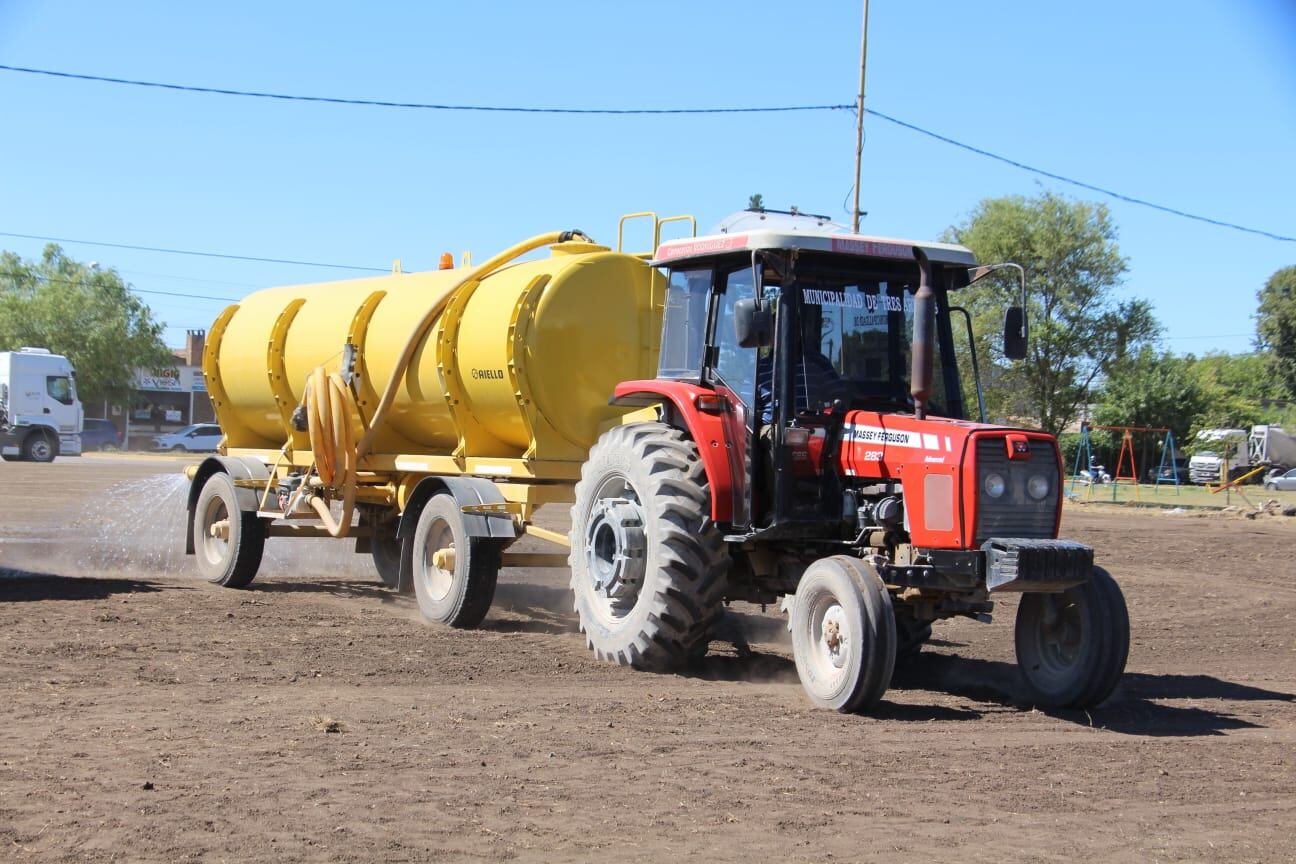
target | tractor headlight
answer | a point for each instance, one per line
(1037, 486)
(994, 485)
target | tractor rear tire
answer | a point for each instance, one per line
(648, 564)
(461, 594)
(234, 560)
(843, 634)
(39, 447)
(1072, 646)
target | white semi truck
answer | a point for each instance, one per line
(1244, 451)
(40, 415)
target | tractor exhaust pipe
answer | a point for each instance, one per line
(924, 332)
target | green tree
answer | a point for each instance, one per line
(83, 312)
(1078, 327)
(1234, 387)
(1150, 388)
(1276, 325)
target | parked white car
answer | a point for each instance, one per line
(199, 438)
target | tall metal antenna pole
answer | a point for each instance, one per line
(859, 122)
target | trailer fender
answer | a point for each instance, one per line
(467, 491)
(238, 467)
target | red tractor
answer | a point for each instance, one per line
(806, 438)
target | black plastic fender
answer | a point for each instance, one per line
(467, 491)
(238, 467)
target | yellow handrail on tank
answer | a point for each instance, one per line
(646, 214)
(692, 220)
(657, 226)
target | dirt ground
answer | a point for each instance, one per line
(148, 716)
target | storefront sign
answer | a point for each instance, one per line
(160, 379)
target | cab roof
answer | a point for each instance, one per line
(686, 248)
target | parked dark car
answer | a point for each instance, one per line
(1166, 473)
(99, 435)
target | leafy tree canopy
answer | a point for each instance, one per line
(1079, 328)
(83, 312)
(1150, 388)
(1235, 388)
(1276, 326)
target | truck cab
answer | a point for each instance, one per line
(40, 415)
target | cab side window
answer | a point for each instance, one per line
(735, 365)
(684, 325)
(59, 387)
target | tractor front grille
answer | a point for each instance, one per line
(1015, 513)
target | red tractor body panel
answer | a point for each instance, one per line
(933, 459)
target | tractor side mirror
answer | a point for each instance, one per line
(754, 327)
(1014, 339)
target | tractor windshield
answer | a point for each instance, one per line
(856, 335)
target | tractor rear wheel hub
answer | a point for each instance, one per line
(616, 548)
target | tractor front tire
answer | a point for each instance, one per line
(648, 564)
(843, 634)
(1072, 646)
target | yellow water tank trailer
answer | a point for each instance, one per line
(518, 366)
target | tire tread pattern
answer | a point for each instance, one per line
(247, 541)
(1108, 616)
(689, 582)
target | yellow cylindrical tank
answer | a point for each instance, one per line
(529, 357)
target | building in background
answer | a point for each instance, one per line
(163, 400)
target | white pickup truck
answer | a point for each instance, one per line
(40, 415)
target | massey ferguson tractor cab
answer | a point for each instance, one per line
(806, 441)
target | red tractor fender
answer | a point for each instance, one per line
(706, 428)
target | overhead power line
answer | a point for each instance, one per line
(1129, 199)
(81, 282)
(196, 252)
(430, 106)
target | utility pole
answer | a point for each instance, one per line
(859, 122)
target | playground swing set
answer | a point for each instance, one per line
(1085, 460)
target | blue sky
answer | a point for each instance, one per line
(1188, 104)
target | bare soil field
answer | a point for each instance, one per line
(148, 716)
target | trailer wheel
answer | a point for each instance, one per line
(39, 447)
(228, 542)
(843, 634)
(1072, 646)
(647, 563)
(385, 547)
(454, 574)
